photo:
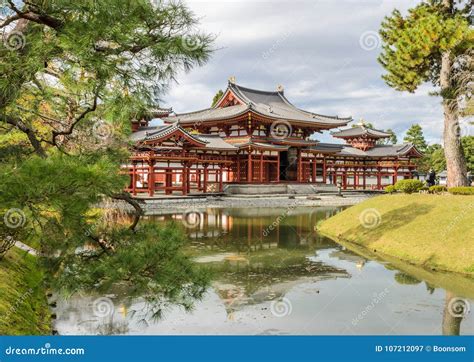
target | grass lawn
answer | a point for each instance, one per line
(435, 231)
(23, 306)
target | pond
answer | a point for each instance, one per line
(273, 274)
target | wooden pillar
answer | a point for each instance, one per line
(379, 179)
(278, 167)
(151, 177)
(220, 178)
(261, 167)
(188, 178)
(198, 177)
(206, 174)
(395, 175)
(314, 169)
(356, 178)
(134, 178)
(184, 179)
(325, 175)
(344, 178)
(334, 176)
(363, 178)
(299, 171)
(249, 167)
(238, 168)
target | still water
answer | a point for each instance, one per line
(273, 274)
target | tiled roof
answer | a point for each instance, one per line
(262, 145)
(327, 147)
(217, 143)
(152, 133)
(379, 151)
(158, 112)
(269, 104)
(360, 131)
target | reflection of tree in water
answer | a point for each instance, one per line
(111, 328)
(455, 309)
(430, 288)
(406, 279)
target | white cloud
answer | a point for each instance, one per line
(312, 48)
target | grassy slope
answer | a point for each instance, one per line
(436, 231)
(23, 306)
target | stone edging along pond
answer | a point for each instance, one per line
(165, 206)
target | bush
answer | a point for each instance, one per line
(437, 189)
(390, 189)
(461, 190)
(409, 186)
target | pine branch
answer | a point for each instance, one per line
(125, 196)
(30, 133)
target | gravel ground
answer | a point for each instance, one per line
(166, 206)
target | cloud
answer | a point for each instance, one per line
(323, 52)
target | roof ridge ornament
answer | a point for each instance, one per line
(280, 88)
(232, 79)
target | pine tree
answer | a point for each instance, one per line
(217, 96)
(415, 135)
(73, 75)
(393, 137)
(434, 43)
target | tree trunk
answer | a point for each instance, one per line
(455, 161)
(451, 325)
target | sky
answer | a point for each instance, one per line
(323, 52)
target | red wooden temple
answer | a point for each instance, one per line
(259, 137)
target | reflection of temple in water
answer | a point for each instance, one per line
(260, 258)
(247, 229)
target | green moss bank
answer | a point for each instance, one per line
(434, 231)
(23, 305)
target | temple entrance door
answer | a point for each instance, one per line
(289, 164)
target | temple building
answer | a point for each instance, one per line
(258, 137)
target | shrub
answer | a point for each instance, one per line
(390, 189)
(437, 189)
(462, 190)
(409, 186)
